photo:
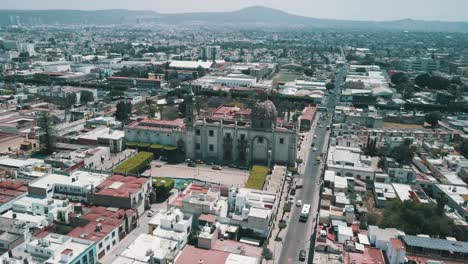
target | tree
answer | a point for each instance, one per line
(152, 111)
(70, 100)
(309, 71)
(124, 109)
(47, 135)
(163, 187)
(170, 112)
(463, 148)
(423, 80)
(266, 253)
(418, 218)
(399, 78)
(441, 202)
(330, 86)
(86, 97)
(200, 71)
(433, 118)
(404, 153)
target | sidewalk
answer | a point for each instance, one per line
(275, 246)
(115, 159)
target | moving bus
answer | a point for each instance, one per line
(304, 213)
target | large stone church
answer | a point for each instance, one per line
(229, 136)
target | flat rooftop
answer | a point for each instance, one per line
(82, 179)
(120, 186)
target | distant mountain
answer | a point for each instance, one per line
(112, 16)
(246, 16)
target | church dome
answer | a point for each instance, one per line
(264, 115)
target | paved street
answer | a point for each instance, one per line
(299, 234)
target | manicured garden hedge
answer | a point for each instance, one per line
(136, 163)
(257, 177)
(163, 187)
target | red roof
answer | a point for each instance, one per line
(397, 244)
(309, 113)
(370, 256)
(230, 112)
(207, 218)
(10, 189)
(67, 251)
(193, 255)
(120, 186)
(99, 215)
(158, 125)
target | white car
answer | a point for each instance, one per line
(315, 136)
(314, 149)
(150, 213)
(299, 203)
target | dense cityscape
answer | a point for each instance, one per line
(128, 138)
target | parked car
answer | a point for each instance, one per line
(199, 161)
(302, 255)
(150, 213)
(192, 164)
(299, 203)
(216, 167)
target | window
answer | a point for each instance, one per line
(113, 234)
(108, 248)
(100, 245)
(260, 140)
(242, 136)
(281, 140)
(211, 133)
(211, 147)
(197, 146)
(197, 132)
(228, 135)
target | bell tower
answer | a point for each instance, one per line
(190, 111)
(190, 120)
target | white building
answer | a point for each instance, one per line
(456, 196)
(251, 209)
(27, 47)
(50, 209)
(349, 162)
(54, 249)
(74, 187)
(169, 233)
(420, 64)
(344, 233)
(383, 192)
(241, 137)
(236, 80)
(380, 237)
(210, 53)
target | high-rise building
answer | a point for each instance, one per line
(420, 64)
(208, 53)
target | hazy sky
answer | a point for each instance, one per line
(449, 10)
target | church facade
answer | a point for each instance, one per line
(230, 136)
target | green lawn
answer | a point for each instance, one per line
(257, 177)
(286, 77)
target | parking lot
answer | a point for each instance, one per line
(226, 176)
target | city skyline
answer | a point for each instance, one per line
(450, 10)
